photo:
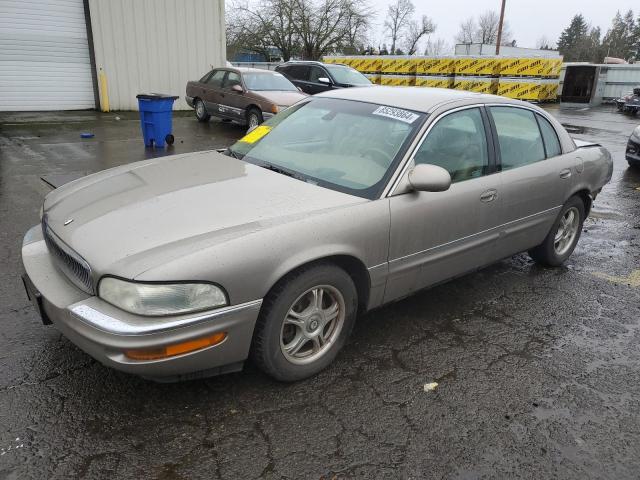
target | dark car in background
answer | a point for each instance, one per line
(317, 77)
(245, 95)
(629, 102)
(633, 148)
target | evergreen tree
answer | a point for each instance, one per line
(619, 39)
(573, 40)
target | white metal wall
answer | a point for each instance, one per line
(44, 56)
(144, 46)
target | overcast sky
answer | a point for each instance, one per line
(528, 20)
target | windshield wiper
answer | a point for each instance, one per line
(282, 171)
(233, 154)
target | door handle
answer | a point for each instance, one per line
(489, 195)
(566, 173)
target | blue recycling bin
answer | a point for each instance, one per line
(156, 118)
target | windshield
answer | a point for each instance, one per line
(347, 75)
(344, 145)
(268, 81)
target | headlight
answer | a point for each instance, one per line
(156, 299)
(636, 134)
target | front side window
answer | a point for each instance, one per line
(347, 75)
(457, 143)
(349, 146)
(317, 73)
(232, 79)
(550, 137)
(215, 80)
(268, 82)
(518, 136)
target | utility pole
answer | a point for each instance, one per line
(500, 28)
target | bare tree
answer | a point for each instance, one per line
(326, 25)
(307, 28)
(417, 30)
(543, 42)
(258, 28)
(487, 31)
(398, 16)
(467, 31)
(436, 47)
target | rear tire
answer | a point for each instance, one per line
(201, 111)
(563, 236)
(304, 322)
(254, 117)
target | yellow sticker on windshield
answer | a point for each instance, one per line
(256, 134)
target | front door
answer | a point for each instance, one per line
(536, 176)
(315, 85)
(212, 91)
(439, 235)
(232, 102)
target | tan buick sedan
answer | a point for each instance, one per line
(187, 265)
(245, 95)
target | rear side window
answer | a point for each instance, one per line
(299, 72)
(206, 77)
(518, 136)
(457, 143)
(215, 80)
(550, 137)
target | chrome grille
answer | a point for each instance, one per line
(75, 268)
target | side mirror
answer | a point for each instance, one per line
(324, 80)
(299, 89)
(237, 88)
(429, 178)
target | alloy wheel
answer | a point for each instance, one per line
(567, 231)
(312, 324)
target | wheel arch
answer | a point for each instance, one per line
(585, 195)
(250, 106)
(352, 265)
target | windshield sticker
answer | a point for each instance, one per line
(256, 134)
(396, 113)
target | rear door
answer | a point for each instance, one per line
(298, 75)
(439, 235)
(536, 177)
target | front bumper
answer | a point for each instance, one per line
(189, 100)
(632, 153)
(105, 332)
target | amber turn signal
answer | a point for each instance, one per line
(177, 348)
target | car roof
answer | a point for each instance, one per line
(251, 70)
(420, 99)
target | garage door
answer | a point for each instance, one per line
(44, 56)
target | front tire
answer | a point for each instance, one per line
(254, 118)
(201, 111)
(304, 322)
(563, 236)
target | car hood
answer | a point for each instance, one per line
(280, 97)
(128, 219)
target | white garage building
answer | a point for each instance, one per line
(85, 54)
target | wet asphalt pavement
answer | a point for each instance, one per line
(538, 369)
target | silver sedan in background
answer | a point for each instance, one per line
(186, 266)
